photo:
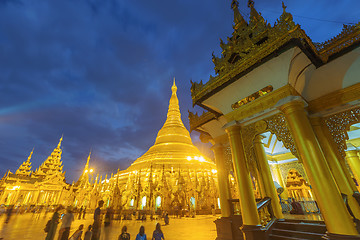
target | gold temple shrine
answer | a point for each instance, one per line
(285, 111)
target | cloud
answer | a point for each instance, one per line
(100, 72)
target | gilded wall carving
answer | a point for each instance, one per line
(338, 125)
(278, 126)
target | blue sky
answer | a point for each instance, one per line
(100, 71)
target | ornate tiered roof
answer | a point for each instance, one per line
(255, 42)
(25, 167)
(53, 164)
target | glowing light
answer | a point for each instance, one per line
(15, 188)
(188, 158)
(201, 159)
(158, 201)
(91, 170)
(107, 180)
(213, 170)
(143, 201)
(196, 158)
(132, 203)
(86, 171)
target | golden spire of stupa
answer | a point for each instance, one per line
(53, 163)
(173, 144)
(25, 167)
(173, 129)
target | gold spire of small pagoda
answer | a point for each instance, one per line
(25, 167)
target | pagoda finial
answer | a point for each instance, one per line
(283, 6)
(29, 158)
(174, 87)
(238, 18)
(59, 144)
(88, 160)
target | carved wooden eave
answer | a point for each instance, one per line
(197, 121)
(254, 43)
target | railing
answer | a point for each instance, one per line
(356, 221)
(234, 207)
(265, 211)
(307, 206)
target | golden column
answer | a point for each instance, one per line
(353, 160)
(277, 171)
(335, 165)
(223, 179)
(332, 207)
(247, 200)
(260, 180)
(267, 178)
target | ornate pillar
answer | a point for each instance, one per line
(335, 166)
(332, 207)
(284, 194)
(353, 160)
(261, 184)
(223, 179)
(248, 206)
(267, 178)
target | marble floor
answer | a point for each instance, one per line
(31, 227)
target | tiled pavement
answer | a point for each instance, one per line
(31, 227)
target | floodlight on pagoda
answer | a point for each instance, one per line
(91, 170)
(86, 171)
(214, 171)
(201, 159)
(188, 158)
(196, 158)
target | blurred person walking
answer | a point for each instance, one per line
(77, 234)
(97, 222)
(52, 224)
(124, 234)
(88, 233)
(141, 235)
(158, 234)
(67, 219)
(107, 222)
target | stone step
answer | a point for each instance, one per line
(278, 237)
(297, 234)
(302, 226)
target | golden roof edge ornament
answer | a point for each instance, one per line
(257, 40)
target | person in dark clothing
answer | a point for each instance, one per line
(97, 222)
(80, 213)
(158, 234)
(297, 209)
(124, 234)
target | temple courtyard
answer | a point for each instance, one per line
(30, 226)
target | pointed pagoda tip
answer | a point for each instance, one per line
(174, 87)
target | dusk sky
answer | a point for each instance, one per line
(100, 71)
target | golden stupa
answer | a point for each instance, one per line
(172, 175)
(173, 145)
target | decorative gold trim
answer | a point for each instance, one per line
(252, 97)
(338, 125)
(334, 99)
(261, 104)
(275, 124)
